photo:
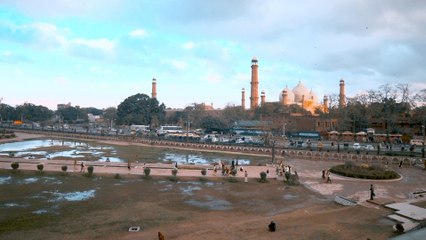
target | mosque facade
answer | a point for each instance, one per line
(299, 95)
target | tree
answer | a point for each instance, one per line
(211, 124)
(8, 113)
(31, 112)
(140, 109)
(110, 115)
(72, 114)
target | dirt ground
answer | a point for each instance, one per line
(184, 209)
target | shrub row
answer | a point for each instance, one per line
(363, 172)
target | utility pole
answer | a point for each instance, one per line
(423, 145)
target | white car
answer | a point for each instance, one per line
(369, 147)
(356, 146)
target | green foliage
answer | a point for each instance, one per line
(31, 112)
(210, 124)
(40, 167)
(174, 172)
(364, 172)
(90, 170)
(203, 172)
(72, 114)
(147, 171)
(64, 168)
(287, 175)
(140, 109)
(11, 154)
(263, 177)
(14, 165)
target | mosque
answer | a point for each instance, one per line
(299, 95)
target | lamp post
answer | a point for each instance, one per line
(423, 145)
(285, 124)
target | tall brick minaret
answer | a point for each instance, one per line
(262, 98)
(342, 97)
(325, 104)
(254, 98)
(243, 99)
(154, 88)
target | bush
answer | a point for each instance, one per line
(287, 175)
(40, 167)
(147, 171)
(14, 165)
(203, 172)
(90, 170)
(64, 168)
(234, 172)
(174, 172)
(117, 176)
(364, 171)
(263, 177)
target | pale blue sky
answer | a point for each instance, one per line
(97, 53)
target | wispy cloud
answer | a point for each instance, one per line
(138, 33)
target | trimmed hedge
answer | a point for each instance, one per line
(364, 171)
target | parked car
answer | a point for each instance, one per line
(356, 146)
(369, 147)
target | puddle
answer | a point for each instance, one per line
(189, 190)
(40, 211)
(289, 196)
(29, 180)
(72, 196)
(13, 205)
(5, 180)
(211, 203)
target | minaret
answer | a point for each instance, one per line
(325, 104)
(342, 97)
(154, 88)
(243, 99)
(254, 98)
(262, 98)
(285, 97)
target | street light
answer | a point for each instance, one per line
(423, 145)
(285, 124)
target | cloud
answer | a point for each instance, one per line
(138, 33)
(12, 58)
(177, 64)
(102, 70)
(188, 45)
(91, 48)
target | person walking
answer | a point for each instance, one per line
(372, 194)
(245, 176)
(82, 166)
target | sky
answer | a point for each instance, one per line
(96, 53)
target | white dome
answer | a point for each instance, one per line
(300, 91)
(290, 95)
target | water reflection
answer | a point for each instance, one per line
(54, 149)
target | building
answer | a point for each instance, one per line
(300, 95)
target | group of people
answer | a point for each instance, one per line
(326, 175)
(281, 169)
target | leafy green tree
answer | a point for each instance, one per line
(8, 113)
(210, 124)
(110, 114)
(72, 114)
(29, 111)
(94, 111)
(140, 109)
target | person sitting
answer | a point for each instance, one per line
(272, 226)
